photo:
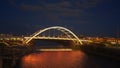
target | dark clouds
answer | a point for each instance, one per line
(59, 5)
(58, 11)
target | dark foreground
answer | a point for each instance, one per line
(23, 57)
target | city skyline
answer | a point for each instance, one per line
(88, 17)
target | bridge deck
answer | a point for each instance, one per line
(54, 49)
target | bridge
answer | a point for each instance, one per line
(50, 33)
(58, 38)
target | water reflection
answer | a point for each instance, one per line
(70, 59)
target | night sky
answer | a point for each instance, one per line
(83, 17)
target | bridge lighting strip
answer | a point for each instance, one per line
(54, 49)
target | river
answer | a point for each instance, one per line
(66, 59)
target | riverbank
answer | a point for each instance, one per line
(1, 62)
(103, 51)
(10, 55)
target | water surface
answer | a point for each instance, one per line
(56, 59)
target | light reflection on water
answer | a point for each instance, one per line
(57, 59)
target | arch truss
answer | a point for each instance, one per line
(64, 30)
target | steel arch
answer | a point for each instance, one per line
(62, 29)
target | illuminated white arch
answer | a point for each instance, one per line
(62, 29)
